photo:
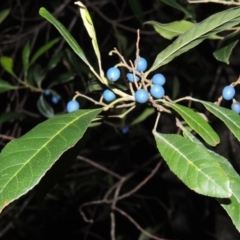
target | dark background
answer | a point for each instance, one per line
(164, 205)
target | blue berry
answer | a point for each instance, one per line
(113, 74)
(125, 130)
(72, 106)
(55, 99)
(130, 77)
(228, 92)
(108, 95)
(236, 107)
(141, 96)
(141, 65)
(157, 91)
(47, 92)
(158, 79)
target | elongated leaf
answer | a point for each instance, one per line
(226, 46)
(7, 64)
(44, 108)
(3, 14)
(23, 162)
(229, 117)
(197, 123)
(171, 30)
(43, 49)
(87, 21)
(64, 32)
(178, 6)
(232, 205)
(145, 114)
(10, 116)
(137, 9)
(195, 167)
(195, 35)
(25, 57)
(62, 78)
(5, 86)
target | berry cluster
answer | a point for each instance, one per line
(55, 98)
(141, 95)
(228, 93)
(145, 88)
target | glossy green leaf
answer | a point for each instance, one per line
(5, 86)
(64, 32)
(229, 117)
(11, 116)
(44, 108)
(197, 123)
(7, 64)
(25, 57)
(232, 205)
(171, 30)
(3, 14)
(195, 167)
(195, 35)
(145, 114)
(23, 162)
(43, 49)
(136, 7)
(175, 4)
(226, 46)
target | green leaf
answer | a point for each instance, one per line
(229, 117)
(136, 7)
(36, 75)
(195, 35)
(7, 64)
(43, 49)
(62, 78)
(226, 46)
(44, 108)
(5, 86)
(87, 21)
(171, 30)
(145, 114)
(175, 4)
(23, 162)
(10, 116)
(64, 32)
(3, 14)
(195, 167)
(196, 122)
(25, 57)
(54, 61)
(232, 205)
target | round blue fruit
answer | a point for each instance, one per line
(157, 91)
(113, 74)
(55, 99)
(236, 107)
(141, 96)
(125, 130)
(47, 92)
(141, 65)
(108, 95)
(130, 77)
(228, 92)
(72, 106)
(158, 79)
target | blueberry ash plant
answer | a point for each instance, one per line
(189, 154)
